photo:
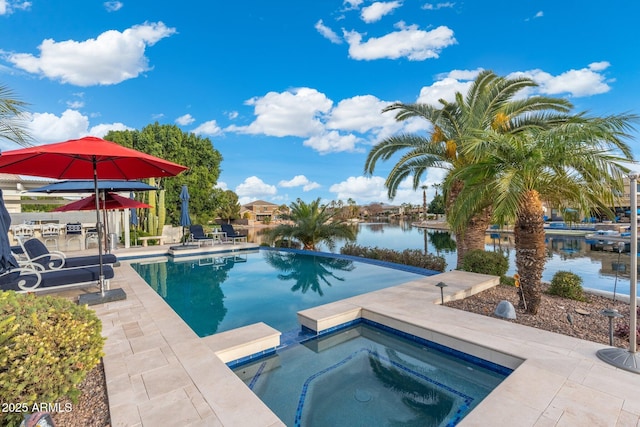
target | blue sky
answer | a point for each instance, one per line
(291, 92)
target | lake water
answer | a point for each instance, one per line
(569, 253)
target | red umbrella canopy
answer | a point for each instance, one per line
(75, 159)
(111, 201)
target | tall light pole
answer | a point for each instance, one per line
(619, 357)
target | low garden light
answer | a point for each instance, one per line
(441, 285)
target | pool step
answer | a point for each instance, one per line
(242, 342)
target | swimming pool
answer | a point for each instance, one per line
(217, 293)
(364, 375)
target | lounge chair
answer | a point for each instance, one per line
(232, 234)
(37, 256)
(197, 235)
(26, 279)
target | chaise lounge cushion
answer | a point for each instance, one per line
(38, 253)
(10, 281)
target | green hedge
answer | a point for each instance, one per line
(484, 262)
(47, 346)
(412, 257)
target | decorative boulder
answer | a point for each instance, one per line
(505, 309)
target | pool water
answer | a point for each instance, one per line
(218, 293)
(365, 376)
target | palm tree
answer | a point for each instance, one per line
(576, 163)
(12, 118)
(489, 104)
(312, 224)
(424, 201)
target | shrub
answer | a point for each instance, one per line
(567, 285)
(47, 346)
(483, 262)
(623, 327)
(412, 257)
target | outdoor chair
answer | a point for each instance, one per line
(37, 256)
(50, 233)
(22, 232)
(91, 237)
(73, 232)
(25, 279)
(197, 235)
(232, 234)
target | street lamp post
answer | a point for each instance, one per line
(619, 357)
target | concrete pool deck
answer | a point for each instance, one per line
(159, 372)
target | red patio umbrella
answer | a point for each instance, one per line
(111, 201)
(87, 158)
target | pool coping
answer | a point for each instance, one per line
(160, 373)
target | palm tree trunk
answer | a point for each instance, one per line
(473, 237)
(475, 234)
(530, 248)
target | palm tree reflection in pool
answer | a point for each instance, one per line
(309, 272)
(430, 405)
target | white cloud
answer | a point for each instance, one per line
(75, 105)
(408, 42)
(540, 14)
(232, 115)
(372, 190)
(305, 112)
(102, 129)
(47, 127)
(110, 58)
(360, 113)
(293, 113)
(352, 4)
(577, 83)
(447, 86)
(332, 142)
(599, 66)
(327, 32)
(71, 124)
(113, 6)
(7, 7)
(209, 128)
(185, 120)
(430, 6)
(299, 181)
(377, 10)
(254, 188)
(221, 185)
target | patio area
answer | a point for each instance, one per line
(159, 372)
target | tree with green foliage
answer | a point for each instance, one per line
(169, 142)
(227, 205)
(436, 206)
(490, 104)
(13, 123)
(311, 224)
(579, 163)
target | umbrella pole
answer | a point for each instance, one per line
(98, 225)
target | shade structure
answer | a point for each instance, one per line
(87, 158)
(110, 201)
(7, 260)
(185, 220)
(86, 186)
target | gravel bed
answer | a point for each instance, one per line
(92, 408)
(554, 313)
